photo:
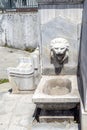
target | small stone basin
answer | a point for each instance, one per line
(57, 87)
(57, 93)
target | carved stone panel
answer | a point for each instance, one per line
(60, 21)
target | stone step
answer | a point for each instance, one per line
(47, 119)
(42, 115)
(56, 116)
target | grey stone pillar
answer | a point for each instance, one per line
(83, 55)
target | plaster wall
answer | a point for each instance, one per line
(19, 30)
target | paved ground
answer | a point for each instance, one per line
(55, 126)
(16, 113)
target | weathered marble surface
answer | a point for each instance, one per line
(48, 101)
(19, 30)
(60, 21)
(59, 49)
(83, 117)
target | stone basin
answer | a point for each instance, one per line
(57, 93)
(57, 86)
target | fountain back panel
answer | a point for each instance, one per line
(60, 21)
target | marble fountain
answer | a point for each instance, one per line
(57, 94)
(60, 37)
(56, 91)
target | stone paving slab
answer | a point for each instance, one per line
(5, 87)
(16, 111)
(3, 127)
(15, 127)
(55, 126)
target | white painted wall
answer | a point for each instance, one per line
(19, 30)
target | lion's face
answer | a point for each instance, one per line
(59, 47)
(59, 53)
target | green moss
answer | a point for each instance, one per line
(3, 81)
(29, 50)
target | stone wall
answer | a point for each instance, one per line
(19, 30)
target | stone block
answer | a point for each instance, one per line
(45, 99)
(83, 118)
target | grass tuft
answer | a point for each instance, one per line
(3, 81)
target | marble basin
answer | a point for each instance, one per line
(57, 92)
(57, 86)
